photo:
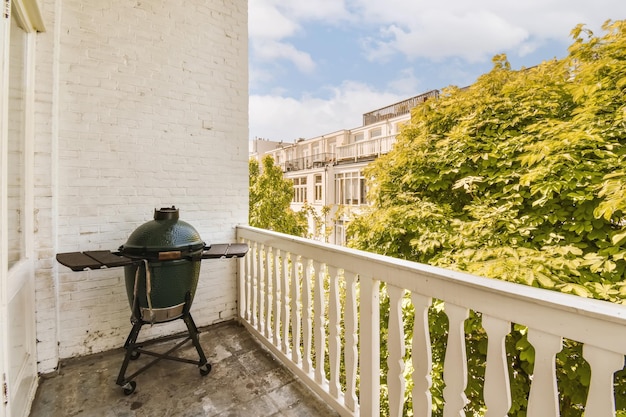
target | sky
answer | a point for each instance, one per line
(315, 66)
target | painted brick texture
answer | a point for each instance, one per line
(149, 108)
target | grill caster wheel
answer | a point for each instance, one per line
(134, 355)
(205, 369)
(129, 387)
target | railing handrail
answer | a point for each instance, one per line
(307, 162)
(524, 298)
(355, 150)
(397, 109)
(378, 138)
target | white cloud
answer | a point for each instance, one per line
(421, 29)
(475, 36)
(474, 30)
(321, 10)
(272, 51)
(272, 22)
(266, 22)
(477, 29)
(287, 119)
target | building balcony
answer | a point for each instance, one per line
(397, 109)
(308, 162)
(317, 309)
(365, 150)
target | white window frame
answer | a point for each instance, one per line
(319, 188)
(350, 188)
(299, 190)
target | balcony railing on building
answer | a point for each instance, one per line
(398, 109)
(308, 162)
(366, 149)
(317, 308)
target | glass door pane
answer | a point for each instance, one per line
(16, 139)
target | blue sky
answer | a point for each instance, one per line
(317, 65)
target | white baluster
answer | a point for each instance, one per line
(351, 351)
(497, 392)
(604, 364)
(455, 363)
(255, 283)
(296, 355)
(284, 286)
(396, 350)
(543, 400)
(261, 288)
(319, 332)
(277, 297)
(422, 357)
(307, 318)
(369, 393)
(269, 289)
(334, 341)
(248, 285)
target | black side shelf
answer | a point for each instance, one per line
(79, 261)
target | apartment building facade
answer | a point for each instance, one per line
(328, 170)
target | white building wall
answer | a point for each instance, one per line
(139, 105)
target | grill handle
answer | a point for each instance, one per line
(170, 255)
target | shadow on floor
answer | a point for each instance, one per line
(245, 380)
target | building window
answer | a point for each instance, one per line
(340, 232)
(374, 133)
(359, 137)
(398, 126)
(299, 190)
(306, 159)
(351, 188)
(319, 196)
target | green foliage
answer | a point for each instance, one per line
(518, 177)
(270, 199)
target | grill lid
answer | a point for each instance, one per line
(164, 238)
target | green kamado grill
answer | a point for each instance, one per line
(161, 261)
(166, 278)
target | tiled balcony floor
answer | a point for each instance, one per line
(245, 380)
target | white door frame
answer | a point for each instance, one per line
(5, 27)
(17, 287)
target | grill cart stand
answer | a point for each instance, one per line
(134, 350)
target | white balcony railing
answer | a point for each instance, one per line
(301, 297)
(366, 149)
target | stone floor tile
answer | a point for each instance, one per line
(245, 380)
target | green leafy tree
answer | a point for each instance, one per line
(519, 177)
(270, 198)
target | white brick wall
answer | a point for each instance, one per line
(140, 105)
